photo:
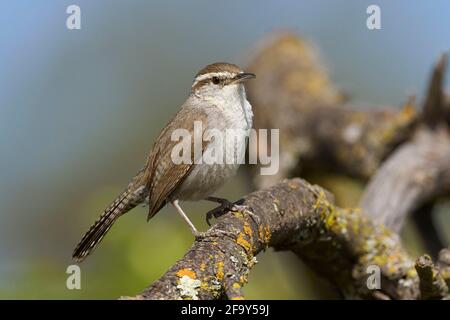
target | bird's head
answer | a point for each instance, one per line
(219, 79)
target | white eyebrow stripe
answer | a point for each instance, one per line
(222, 74)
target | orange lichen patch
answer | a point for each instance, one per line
(268, 234)
(219, 267)
(261, 233)
(248, 230)
(243, 242)
(203, 266)
(264, 234)
(238, 298)
(186, 272)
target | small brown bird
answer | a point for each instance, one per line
(218, 101)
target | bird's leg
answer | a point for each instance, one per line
(197, 234)
(185, 217)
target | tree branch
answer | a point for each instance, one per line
(434, 108)
(293, 215)
(416, 173)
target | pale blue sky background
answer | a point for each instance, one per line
(79, 109)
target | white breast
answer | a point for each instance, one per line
(231, 110)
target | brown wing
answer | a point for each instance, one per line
(162, 175)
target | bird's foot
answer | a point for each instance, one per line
(216, 213)
(219, 211)
(226, 206)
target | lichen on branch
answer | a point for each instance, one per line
(293, 215)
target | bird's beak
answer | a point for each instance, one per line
(243, 76)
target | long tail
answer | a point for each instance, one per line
(123, 203)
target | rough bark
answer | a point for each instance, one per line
(418, 172)
(339, 244)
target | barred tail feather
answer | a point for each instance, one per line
(98, 230)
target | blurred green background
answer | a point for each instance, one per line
(79, 111)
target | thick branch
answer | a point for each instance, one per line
(434, 109)
(292, 215)
(418, 172)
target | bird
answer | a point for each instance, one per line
(217, 101)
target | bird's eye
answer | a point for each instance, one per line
(216, 80)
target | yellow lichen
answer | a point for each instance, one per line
(261, 233)
(248, 230)
(186, 272)
(219, 267)
(203, 266)
(205, 285)
(264, 234)
(411, 273)
(238, 298)
(238, 214)
(334, 219)
(243, 242)
(236, 285)
(405, 117)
